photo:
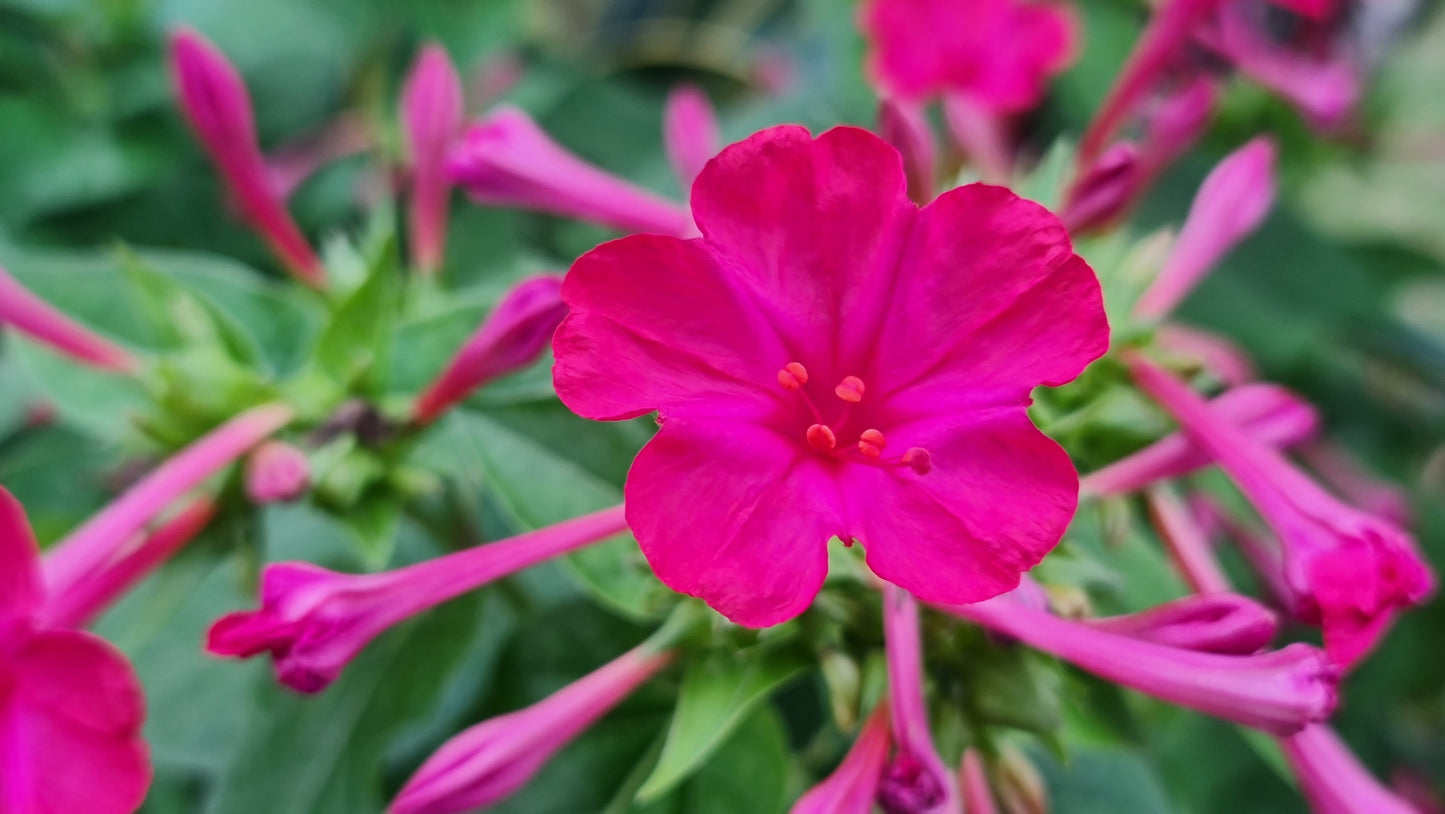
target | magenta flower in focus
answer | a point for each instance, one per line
(689, 132)
(495, 758)
(215, 101)
(42, 322)
(512, 336)
(851, 788)
(71, 708)
(915, 781)
(1351, 571)
(277, 472)
(313, 621)
(1333, 780)
(431, 105)
(829, 360)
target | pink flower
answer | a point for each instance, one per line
(517, 330)
(313, 621)
(42, 322)
(1279, 692)
(1230, 204)
(830, 360)
(1333, 780)
(1267, 413)
(1219, 356)
(915, 780)
(983, 135)
(215, 102)
(1349, 477)
(1187, 541)
(1214, 623)
(851, 788)
(70, 706)
(977, 795)
(1000, 53)
(905, 127)
(507, 160)
(495, 758)
(689, 132)
(431, 105)
(277, 472)
(93, 545)
(1351, 570)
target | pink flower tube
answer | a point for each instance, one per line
(277, 472)
(1217, 623)
(42, 322)
(1279, 692)
(689, 132)
(215, 101)
(977, 795)
(495, 758)
(915, 780)
(313, 621)
(513, 335)
(852, 787)
(507, 160)
(1349, 477)
(1333, 780)
(904, 126)
(431, 106)
(1352, 570)
(1187, 541)
(1216, 354)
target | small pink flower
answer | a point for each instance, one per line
(277, 472)
(831, 360)
(507, 160)
(515, 333)
(1279, 692)
(852, 787)
(1333, 780)
(495, 758)
(689, 132)
(71, 708)
(915, 781)
(1267, 413)
(1352, 571)
(215, 101)
(1000, 53)
(905, 127)
(42, 322)
(977, 794)
(1214, 623)
(1231, 203)
(313, 621)
(431, 105)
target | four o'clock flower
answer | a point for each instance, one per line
(1333, 780)
(1214, 623)
(313, 621)
(41, 321)
(830, 360)
(495, 758)
(70, 706)
(431, 110)
(1350, 570)
(852, 787)
(507, 160)
(277, 471)
(689, 132)
(517, 330)
(214, 100)
(915, 780)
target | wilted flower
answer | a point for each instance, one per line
(40, 321)
(431, 106)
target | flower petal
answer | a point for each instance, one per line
(21, 590)
(733, 514)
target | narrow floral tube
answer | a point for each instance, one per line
(852, 787)
(1263, 554)
(1186, 540)
(1215, 623)
(276, 472)
(95, 543)
(982, 133)
(905, 126)
(313, 622)
(1218, 355)
(689, 132)
(915, 780)
(1349, 477)
(1267, 413)
(291, 163)
(495, 758)
(507, 160)
(1231, 203)
(214, 100)
(1333, 780)
(977, 795)
(1352, 570)
(513, 335)
(83, 601)
(1279, 692)
(431, 108)
(41, 321)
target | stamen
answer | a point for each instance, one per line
(918, 459)
(793, 376)
(871, 443)
(850, 389)
(821, 437)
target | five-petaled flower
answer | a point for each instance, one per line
(830, 360)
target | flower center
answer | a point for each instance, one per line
(822, 434)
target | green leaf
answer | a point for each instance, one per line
(716, 696)
(352, 343)
(99, 403)
(373, 522)
(1102, 781)
(747, 773)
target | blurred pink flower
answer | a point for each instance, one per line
(71, 709)
(852, 787)
(915, 781)
(431, 106)
(905, 126)
(313, 621)
(495, 758)
(689, 132)
(1217, 354)
(296, 160)
(1349, 477)
(1214, 623)
(277, 472)
(781, 347)
(511, 337)
(977, 794)
(1186, 540)
(215, 101)
(42, 322)
(1333, 780)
